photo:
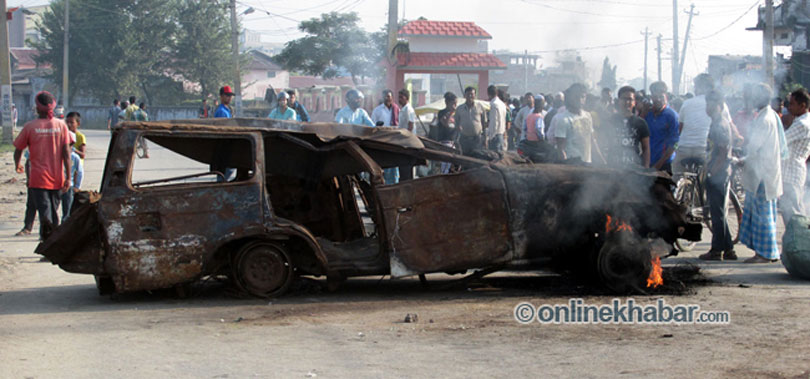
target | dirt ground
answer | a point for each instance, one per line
(54, 324)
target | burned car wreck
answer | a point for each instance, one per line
(300, 204)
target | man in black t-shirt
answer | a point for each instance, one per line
(629, 144)
(443, 128)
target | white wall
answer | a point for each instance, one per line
(443, 45)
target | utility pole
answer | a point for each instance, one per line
(676, 80)
(525, 71)
(691, 13)
(646, 37)
(659, 58)
(5, 77)
(767, 44)
(393, 25)
(237, 73)
(66, 49)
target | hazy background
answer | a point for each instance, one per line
(595, 28)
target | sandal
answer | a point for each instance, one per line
(759, 259)
(23, 232)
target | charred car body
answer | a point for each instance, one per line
(300, 205)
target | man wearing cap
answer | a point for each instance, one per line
(48, 143)
(224, 108)
(223, 111)
(282, 111)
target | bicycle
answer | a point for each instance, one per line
(691, 192)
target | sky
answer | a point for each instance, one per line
(597, 28)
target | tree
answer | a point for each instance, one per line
(127, 47)
(608, 75)
(333, 41)
(95, 54)
(202, 53)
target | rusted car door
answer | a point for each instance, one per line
(163, 233)
(447, 222)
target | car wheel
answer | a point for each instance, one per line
(263, 269)
(624, 262)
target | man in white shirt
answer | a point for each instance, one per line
(794, 170)
(694, 125)
(407, 117)
(762, 180)
(496, 129)
(383, 115)
(574, 127)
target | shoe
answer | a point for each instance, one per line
(712, 255)
(759, 259)
(146, 156)
(23, 232)
(729, 255)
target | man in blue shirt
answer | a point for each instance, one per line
(112, 114)
(352, 113)
(663, 124)
(225, 96)
(223, 111)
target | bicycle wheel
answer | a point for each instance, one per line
(734, 217)
(687, 194)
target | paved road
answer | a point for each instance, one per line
(54, 324)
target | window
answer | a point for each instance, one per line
(196, 160)
(271, 74)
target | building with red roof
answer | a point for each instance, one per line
(443, 47)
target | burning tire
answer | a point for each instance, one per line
(624, 262)
(262, 269)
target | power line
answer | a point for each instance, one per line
(587, 13)
(588, 47)
(729, 25)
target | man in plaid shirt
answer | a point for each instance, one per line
(794, 170)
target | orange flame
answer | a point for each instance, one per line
(617, 226)
(656, 279)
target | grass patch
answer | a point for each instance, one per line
(6, 147)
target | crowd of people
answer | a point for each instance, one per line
(636, 129)
(640, 130)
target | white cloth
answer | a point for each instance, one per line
(497, 118)
(382, 113)
(406, 115)
(794, 170)
(696, 122)
(577, 130)
(763, 155)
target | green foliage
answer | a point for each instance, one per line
(141, 48)
(203, 48)
(333, 41)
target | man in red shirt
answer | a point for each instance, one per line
(48, 143)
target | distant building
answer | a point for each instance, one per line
(732, 72)
(262, 73)
(791, 28)
(22, 28)
(27, 78)
(252, 40)
(520, 75)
